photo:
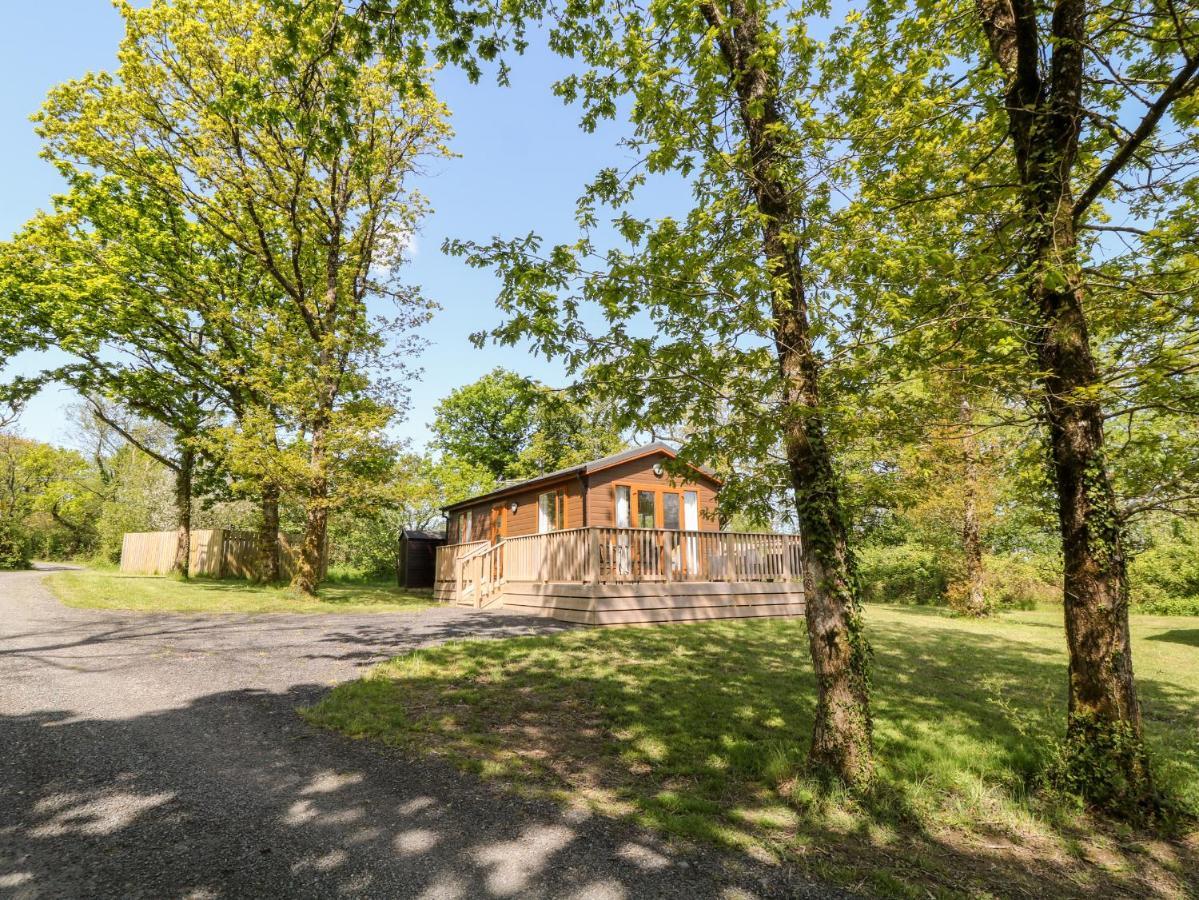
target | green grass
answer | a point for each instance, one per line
(151, 593)
(701, 730)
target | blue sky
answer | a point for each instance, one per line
(523, 161)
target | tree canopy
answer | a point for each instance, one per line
(514, 427)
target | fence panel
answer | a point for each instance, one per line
(216, 553)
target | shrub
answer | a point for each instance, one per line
(1164, 577)
(14, 552)
(905, 573)
(1150, 599)
(1012, 582)
(909, 573)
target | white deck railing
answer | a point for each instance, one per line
(622, 556)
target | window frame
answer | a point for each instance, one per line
(658, 494)
(558, 514)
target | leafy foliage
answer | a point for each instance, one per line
(514, 427)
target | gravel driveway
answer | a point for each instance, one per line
(161, 756)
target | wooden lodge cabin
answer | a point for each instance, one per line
(617, 540)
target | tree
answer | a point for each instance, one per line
(569, 427)
(366, 534)
(1074, 114)
(99, 277)
(722, 95)
(515, 427)
(487, 423)
(425, 484)
(292, 144)
(48, 500)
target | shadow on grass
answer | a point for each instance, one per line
(700, 730)
(1187, 636)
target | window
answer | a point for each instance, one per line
(464, 528)
(670, 511)
(551, 511)
(690, 511)
(647, 512)
(623, 506)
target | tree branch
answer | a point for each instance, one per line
(1182, 84)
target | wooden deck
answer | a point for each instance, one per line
(626, 576)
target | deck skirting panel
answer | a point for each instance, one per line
(630, 604)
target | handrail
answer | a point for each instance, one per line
(608, 554)
(605, 554)
(480, 573)
(445, 564)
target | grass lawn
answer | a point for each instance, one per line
(156, 593)
(700, 730)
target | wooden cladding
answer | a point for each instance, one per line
(591, 500)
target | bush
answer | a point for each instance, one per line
(1164, 578)
(905, 573)
(1012, 582)
(1150, 599)
(909, 573)
(14, 551)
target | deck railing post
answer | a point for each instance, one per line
(593, 555)
(786, 546)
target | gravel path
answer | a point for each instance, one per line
(161, 756)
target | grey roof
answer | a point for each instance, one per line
(603, 462)
(415, 534)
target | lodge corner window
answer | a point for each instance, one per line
(551, 511)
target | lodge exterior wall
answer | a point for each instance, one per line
(589, 499)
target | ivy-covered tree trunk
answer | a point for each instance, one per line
(183, 510)
(974, 601)
(268, 536)
(842, 734)
(1105, 755)
(1103, 734)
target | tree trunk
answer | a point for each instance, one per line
(269, 568)
(975, 600)
(183, 511)
(842, 733)
(310, 565)
(1105, 754)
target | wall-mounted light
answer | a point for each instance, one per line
(658, 469)
(513, 507)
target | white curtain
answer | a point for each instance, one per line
(623, 559)
(622, 506)
(691, 523)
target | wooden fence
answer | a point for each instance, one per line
(215, 552)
